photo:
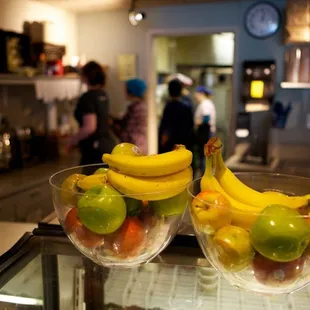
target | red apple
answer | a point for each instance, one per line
(73, 225)
(273, 273)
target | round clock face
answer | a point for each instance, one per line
(262, 20)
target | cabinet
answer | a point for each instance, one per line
(45, 268)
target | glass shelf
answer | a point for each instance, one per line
(44, 271)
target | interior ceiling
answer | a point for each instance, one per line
(111, 5)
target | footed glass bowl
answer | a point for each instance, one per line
(267, 250)
(110, 228)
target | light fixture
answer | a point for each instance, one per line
(20, 300)
(135, 17)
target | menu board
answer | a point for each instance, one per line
(127, 66)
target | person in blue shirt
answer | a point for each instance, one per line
(177, 123)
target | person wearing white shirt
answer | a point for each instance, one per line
(205, 120)
(205, 109)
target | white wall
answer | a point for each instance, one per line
(103, 35)
(62, 30)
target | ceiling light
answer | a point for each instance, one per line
(135, 17)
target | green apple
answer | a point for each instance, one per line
(101, 171)
(172, 206)
(134, 206)
(126, 149)
(280, 233)
(102, 209)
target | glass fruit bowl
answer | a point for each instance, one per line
(110, 228)
(263, 250)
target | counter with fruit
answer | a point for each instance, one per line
(253, 227)
(126, 211)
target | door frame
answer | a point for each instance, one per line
(151, 80)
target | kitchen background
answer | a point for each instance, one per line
(84, 28)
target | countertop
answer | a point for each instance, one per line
(21, 180)
(13, 232)
(285, 158)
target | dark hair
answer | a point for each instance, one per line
(175, 88)
(93, 73)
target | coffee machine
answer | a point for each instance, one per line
(258, 91)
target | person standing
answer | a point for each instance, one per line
(132, 127)
(177, 125)
(92, 115)
(163, 94)
(205, 120)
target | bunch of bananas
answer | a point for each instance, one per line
(153, 177)
(246, 203)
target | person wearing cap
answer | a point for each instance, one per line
(162, 93)
(132, 127)
(205, 120)
(92, 114)
(177, 124)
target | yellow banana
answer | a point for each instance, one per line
(151, 188)
(152, 165)
(91, 181)
(243, 215)
(240, 192)
(274, 193)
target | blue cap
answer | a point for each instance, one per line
(136, 87)
(204, 90)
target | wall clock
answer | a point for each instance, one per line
(262, 20)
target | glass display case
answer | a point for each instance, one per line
(44, 271)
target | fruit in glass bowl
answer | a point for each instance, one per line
(265, 247)
(124, 219)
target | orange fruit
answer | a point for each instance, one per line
(129, 237)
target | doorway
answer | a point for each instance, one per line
(206, 57)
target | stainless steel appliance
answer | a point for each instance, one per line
(258, 91)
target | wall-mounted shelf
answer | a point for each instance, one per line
(11, 79)
(295, 85)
